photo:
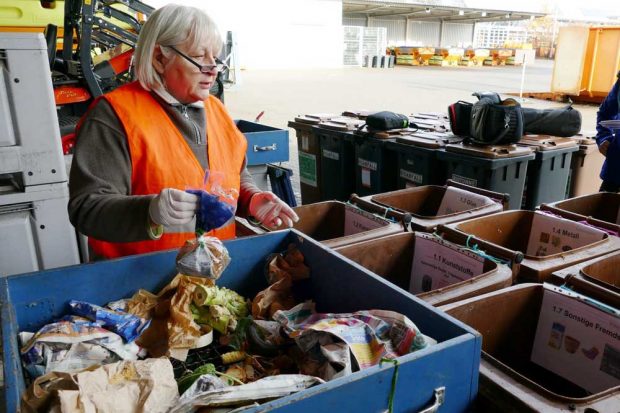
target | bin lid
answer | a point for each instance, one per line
(430, 115)
(585, 138)
(493, 152)
(546, 142)
(342, 123)
(360, 114)
(315, 118)
(381, 134)
(432, 140)
(430, 124)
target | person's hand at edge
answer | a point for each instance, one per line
(271, 211)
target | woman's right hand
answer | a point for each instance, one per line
(173, 207)
(603, 148)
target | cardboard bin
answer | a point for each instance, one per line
(244, 229)
(601, 209)
(448, 369)
(437, 271)
(545, 243)
(336, 223)
(601, 272)
(537, 358)
(432, 205)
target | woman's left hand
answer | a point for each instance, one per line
(271, 211)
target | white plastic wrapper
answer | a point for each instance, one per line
(206, 392)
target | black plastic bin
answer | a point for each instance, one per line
(417, 158)
(309, 155)
(375, 166)
(497, 168)
(547, 174)
(337, 175)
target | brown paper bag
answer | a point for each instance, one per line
(173, 330)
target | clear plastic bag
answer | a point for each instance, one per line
(203, 257)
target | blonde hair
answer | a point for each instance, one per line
(169, 26)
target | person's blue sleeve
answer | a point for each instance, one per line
(608, 110)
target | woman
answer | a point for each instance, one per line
(608, 141)
(140, 146)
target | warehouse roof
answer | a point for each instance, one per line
(446, 10)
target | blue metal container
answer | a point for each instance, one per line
(266, 144)
(337, 285)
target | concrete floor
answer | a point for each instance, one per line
(284, 94)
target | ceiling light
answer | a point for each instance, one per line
(483, 14)
(461, 12)
(428, 9)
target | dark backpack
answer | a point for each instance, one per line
(459, 114)
(496, 124)
(555, 122)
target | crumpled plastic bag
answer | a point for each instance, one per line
(203, 257)
(71, 344)
(125, 325)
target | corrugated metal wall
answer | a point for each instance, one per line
(423, 33)
(354, 21)
(457, 34)
(395, 29)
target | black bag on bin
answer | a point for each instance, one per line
(496, 124)
(386, 121)
(564, 122)
(494, 96)
(459, 114)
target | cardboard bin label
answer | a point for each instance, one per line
(457, 200)
(357, 220)
(577, 340)
(551, 235)
(437, 264)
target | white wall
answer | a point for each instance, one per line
(396, 29)
(423, 33)
(279, 33)
(457, 35)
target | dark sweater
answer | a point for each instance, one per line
(100, 203)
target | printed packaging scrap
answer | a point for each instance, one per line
(369, 335)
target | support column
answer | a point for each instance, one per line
(406, 31)
(440, 33)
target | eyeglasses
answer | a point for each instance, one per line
(218, 66)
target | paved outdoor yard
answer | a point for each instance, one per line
(283, 94)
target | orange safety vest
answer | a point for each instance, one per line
(161, 158)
